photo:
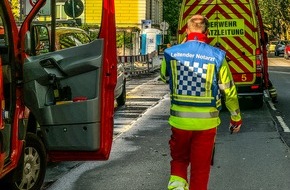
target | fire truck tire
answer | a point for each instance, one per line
(258, 101)
(121, 100)
(33, 167)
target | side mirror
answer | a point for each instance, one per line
(40, 41)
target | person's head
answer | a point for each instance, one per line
(197, 23)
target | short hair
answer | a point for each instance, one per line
(198, 22)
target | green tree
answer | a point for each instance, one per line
(276, 18)
(171, 9)
(275, 15)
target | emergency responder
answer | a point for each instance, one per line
(272, 92)
(196, 73)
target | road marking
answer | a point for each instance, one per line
(283, 124)
(272, 106)
(269, 101)
(123, 130)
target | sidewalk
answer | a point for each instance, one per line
(255, 159)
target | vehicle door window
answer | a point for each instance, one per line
(3, 39)
(41, 40)
(66, 41)
(82, 38)
(4, 51)
(77, 40)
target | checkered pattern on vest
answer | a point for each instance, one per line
(191, 78)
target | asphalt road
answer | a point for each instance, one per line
(255, 159)
(279, 71)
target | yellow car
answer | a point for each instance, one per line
(271, 46)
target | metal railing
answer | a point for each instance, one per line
(140, 64)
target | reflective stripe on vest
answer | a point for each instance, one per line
(209, 79)
(163, 72)
(197, 99)
(194, 114)
(226, 86)
(174, 74)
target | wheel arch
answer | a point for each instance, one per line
(33, 127)
(31, 124)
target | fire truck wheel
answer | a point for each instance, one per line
(121, 100)
(33, 167)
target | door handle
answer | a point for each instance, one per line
(51, 63)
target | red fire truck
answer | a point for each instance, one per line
(237, 28)
(55, 106)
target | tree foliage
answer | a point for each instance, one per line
(171, 14)
(276, 17)
(275, 14)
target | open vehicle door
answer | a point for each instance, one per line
(70, 93)
(11, 142)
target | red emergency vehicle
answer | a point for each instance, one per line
(237, 28)
(56, 106)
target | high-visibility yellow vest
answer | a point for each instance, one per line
(195, 81)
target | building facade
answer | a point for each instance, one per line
(129, 13)
(131, 18)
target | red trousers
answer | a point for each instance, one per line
(192, 148)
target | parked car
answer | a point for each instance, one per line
(68, 37)
(271, 46)
(287, 51)
(280, 47)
